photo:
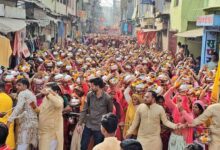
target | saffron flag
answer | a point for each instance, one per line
(215, 90)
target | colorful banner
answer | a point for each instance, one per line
(146, 37)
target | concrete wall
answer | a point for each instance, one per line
(51, 4)
(59, 7)
(213, 3)
(8, 3)
(164, 41)
(187, 10)
(195, 47)
(175, 16)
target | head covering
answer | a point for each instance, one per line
(201, 103)
(185, 104)
(183, 88)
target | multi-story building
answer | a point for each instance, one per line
(127, 19)
(48, 18)
(64, 11)
(12, 18)
(162, 23)
(183, 16)
(147, 17)
(210, 23)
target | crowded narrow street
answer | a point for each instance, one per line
(109, 75)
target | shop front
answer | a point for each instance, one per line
(211, 36)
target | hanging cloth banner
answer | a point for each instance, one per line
(146, 37)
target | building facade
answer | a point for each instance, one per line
(210, 22)
(183, 16)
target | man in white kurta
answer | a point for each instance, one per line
(27, 121)
(51, 122)
(147, 120)
(212, 112)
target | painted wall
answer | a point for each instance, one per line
(175, 16)
(187, 10)
(213, 3)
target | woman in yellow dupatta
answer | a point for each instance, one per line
(132, 106)
(6, 105)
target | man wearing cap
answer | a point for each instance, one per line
(97, 104)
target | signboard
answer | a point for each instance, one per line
(13, 12)
(208, 20)
(2, 10)
(210, 46)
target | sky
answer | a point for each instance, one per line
(107, 3)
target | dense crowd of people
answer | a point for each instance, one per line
(109, 93)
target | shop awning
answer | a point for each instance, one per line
(11, 25)
(150, 30)
(211, 8)
(36, 2)
(191, 33)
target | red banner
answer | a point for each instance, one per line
(146, 37)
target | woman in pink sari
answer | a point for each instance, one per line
(197, 109)
(179, 138)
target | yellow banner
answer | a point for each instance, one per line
(215, 90)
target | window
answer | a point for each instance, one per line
(65, 2)
(176, 3)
